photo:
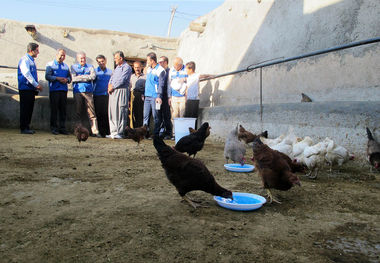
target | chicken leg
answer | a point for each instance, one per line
(192, 203)
(271, 198)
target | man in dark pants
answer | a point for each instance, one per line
(103, 75)
(154, 84)
(166, 123)
(28, 86)
(58, 75)
(137, 86)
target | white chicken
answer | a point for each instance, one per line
(299, 147)
(313, 157)
(284, 147)
(284, 143)
(272, 142)
(336, 154)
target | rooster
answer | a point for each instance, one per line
(187, 174)
(81, 133)
(137, 134)
(273, 169)
(373, 151)
(233, 148)
(247, 136)
(194, 142)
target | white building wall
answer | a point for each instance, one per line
(242, 33)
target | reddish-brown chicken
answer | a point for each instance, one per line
(273, 169)
(373, 151)
(81, 133)
(247, 136)
(186, 173)
(136, 134)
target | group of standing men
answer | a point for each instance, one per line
(108, 95)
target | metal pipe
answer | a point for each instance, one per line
(261, 95)
(17, 68)
(315, 53)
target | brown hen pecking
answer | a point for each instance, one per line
(186, 173)
(273, 169)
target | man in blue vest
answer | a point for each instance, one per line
(28, 86)
(58, 75)
(154, 87)
(83, 75)
(103, 75)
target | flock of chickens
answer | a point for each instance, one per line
(276, 160)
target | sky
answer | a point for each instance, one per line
(140, 17)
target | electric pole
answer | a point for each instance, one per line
(174, 8)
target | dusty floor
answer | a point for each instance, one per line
(109, 201)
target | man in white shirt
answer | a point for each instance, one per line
(192, 91)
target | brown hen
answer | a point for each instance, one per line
(273, 169)
(136, 134)
(81, 133)
(248, 136)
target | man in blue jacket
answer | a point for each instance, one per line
(83, 75)
(103, 75)
(154, 88)
(58, 75)
(28, 86)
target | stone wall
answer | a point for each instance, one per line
(14, 39)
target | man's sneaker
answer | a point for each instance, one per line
(55, 132)
(109, 136)
(64, 132)
(117, 136)
(26, 131)
(167, 137)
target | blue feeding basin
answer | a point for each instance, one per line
(237, 167)
(241, 201)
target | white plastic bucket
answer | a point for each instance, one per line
(181, 127)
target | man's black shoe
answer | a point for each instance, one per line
(64, 132)
(27, 132)
(167, 137)
(54, 132)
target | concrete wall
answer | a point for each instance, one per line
(10, 113)
(242, 33)
(344, 85)
(344, 122)
(14, 39)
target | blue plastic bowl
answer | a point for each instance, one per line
(241, 201)
(237, 167)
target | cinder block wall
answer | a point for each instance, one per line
(10, 113)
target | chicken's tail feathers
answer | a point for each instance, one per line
(264, 134)
(369, 134)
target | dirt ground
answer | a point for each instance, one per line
(109, 201)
